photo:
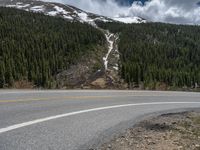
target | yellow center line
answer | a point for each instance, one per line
(77, 97)
(54, 98)
(63, 97)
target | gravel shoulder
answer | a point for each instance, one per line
(174, 131)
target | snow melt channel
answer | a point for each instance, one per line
(110, 48)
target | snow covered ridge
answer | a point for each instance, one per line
(55, 9)
(65, 11)
(129, 19)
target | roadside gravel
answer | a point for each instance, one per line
(175, 131)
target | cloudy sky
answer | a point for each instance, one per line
(171, 11)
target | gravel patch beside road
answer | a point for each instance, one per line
(175, 131)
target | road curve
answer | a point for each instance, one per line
(76, 119)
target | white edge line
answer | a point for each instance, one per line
(25, 124)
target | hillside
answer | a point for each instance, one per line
(46, 48)
(36, 48)
(158, 56)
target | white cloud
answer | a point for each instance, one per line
(171, 11)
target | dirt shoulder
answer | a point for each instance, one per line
(175, 131)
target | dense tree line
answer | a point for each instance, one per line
(155, 53)
(35, 47)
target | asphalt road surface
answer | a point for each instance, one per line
(78, 120)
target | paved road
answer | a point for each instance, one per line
(70, 120)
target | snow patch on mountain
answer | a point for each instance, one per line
(58, 11)
(129, 19)
(116, 67)
(37, 8)
(67, 17)
(19, 5)
(103, 19)
(83, 16)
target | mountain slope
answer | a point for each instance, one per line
(80, 74)
(158, 56)
(42, 50)
(79, 49)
